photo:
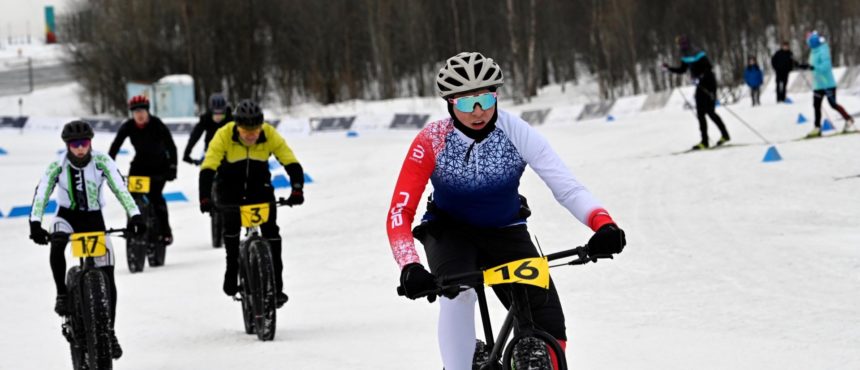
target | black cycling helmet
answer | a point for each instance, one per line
(248, 114)
(77, 130)
(217, 103)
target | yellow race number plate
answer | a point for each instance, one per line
(532, 271)
(138, 184)
(254, 214)
(90, 244)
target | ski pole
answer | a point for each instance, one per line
(714, 98)
(687, 102)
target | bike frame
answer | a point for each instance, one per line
(73, 328)
(519, 317)
(254, 303)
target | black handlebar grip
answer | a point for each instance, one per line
(401, 291)
(570, 252)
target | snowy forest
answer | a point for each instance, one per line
(331, 51)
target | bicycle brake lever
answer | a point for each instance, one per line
(600, 256)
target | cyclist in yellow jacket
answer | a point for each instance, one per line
(237, 164)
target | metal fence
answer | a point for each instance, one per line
(20, 76)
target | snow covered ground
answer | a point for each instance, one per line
(731, 263)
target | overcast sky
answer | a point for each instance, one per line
(15, 14)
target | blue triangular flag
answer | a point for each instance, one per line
(772, 155)
(610, 118)
(3, 151)
(717, 103)
(827, 125)
(280, 181)
(175, 196)
(801, 119)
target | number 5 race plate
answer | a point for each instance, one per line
(138, 184)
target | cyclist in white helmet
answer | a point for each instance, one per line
(476, 217)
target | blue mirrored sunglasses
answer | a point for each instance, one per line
(466, 104)
(79, 143)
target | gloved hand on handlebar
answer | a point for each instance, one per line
(416, 281)
(136, 225)
(608, 240)
(38, 234)
(187, 159)
(297, 196)
(171, 173)
(205, 205)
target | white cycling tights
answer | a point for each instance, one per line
(457, 330)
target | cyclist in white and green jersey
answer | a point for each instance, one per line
(79, 173)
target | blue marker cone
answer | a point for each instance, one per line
(788, 100)
(352, 133)
(772, 155)
(610, 118)
(801, 119)
(827, 126)
(3, 151)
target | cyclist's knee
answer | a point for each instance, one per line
(467, 297)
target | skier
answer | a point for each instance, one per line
(754, 79)
(701, 71)
(823, 83)
(782, 62)
(154, 155)
(240, 152)
(215, 117)
(475, 217)
(79, 172)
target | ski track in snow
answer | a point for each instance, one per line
(730, 263)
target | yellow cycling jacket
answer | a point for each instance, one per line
(243, 171)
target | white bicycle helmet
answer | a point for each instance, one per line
(466, 72)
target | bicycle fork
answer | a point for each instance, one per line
(519, 320)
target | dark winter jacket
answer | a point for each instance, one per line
(209, 126)
(783, 61)
(154, 150)
(753, 76)
(701, 70)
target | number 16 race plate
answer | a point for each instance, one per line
(532, 271)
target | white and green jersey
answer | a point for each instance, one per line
(80, 188)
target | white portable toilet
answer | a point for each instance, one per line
(174, 96)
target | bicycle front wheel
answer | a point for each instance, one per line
(72, 327)
(244, 284)
(96, 319)
(262, 278)
(135, 253)
(531, 352)
(155, 252)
